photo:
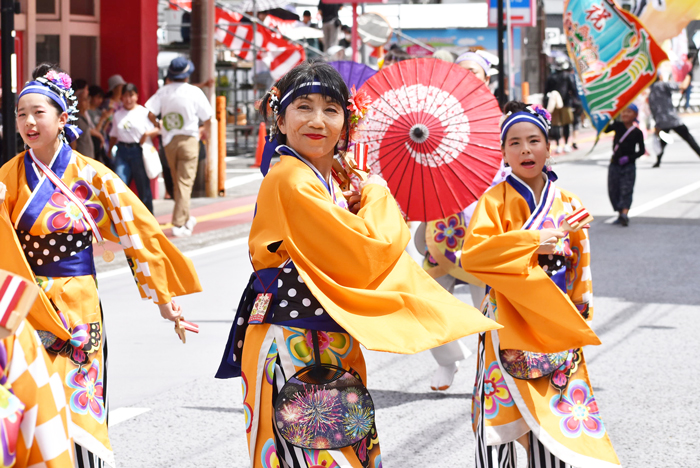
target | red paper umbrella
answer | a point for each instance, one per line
(433, 134)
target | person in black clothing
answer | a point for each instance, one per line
(346, 41)
(628, 145)
(331, 23)
(562, 117)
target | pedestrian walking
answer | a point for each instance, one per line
(665, 114)
(540, 291)
(628, 146)
(330, 274)
(55, 217)
(559, 83)
(182, 107)
(130, 130)
(330, 23)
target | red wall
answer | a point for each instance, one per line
(129, 43)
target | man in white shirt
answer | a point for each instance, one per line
(182, 107)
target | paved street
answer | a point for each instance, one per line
(167, 410)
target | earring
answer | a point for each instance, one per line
(505, 164)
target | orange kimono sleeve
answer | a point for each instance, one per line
(536, 315)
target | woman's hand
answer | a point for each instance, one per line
(548, 240)
(3, 191)
(353, 197)
(170, 311)
(374, 179)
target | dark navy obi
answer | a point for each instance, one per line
(555, 267)
(58, 254)
(292, 305)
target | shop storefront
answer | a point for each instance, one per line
(91, 39)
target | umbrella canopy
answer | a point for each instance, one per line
(433, 134)
(353, 73)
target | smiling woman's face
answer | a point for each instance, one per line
(313, 125)
(38, 121)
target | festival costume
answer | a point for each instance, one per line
(344, 275)
(56, 242)
(543, 302)
(32, 405)
(444, 239)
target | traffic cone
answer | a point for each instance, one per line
(262, 131)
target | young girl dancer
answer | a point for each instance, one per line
(58, 202)
(539, 281)
(329, 266)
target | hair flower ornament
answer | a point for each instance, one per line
(539, 110)
(62, 80)
(358, 104)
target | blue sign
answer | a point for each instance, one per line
(513, 4)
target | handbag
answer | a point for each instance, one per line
(323, 407)
(526, 365)
(151, 160)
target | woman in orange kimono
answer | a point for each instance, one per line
(58, 202)
(532, 382)
(333, 265)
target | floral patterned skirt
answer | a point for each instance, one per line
(560, 409)
(271, 355)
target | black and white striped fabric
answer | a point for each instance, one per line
(86, 459)
(504, 455)
(540, 457)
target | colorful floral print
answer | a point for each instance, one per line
(450, 232)
(496, 392)
(579, 411)
(269, 455)
(11, 411)
(89, 394)
(562, 247)
(247, 410)
(64, 216)
(319, 459)
(334, 347)
(270, 363)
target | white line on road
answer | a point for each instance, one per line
(190, 254)
(659, 201)
(242, 180)
(119, 415)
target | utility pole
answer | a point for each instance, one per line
(202, 54)
(501, 96)
(9, 79)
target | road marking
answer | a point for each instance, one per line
(242, 180)
(219, 214)
(120, 415)
(190, 254)
(659, 201)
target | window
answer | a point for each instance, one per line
(47, 49)
(82, 7)
(46, 7)
(83, 58)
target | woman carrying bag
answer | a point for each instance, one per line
(131, 130)
(330, 273)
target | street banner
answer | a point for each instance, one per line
(615, 57)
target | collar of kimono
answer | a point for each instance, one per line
(538, 212)
(69, 194)
(287, 151)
